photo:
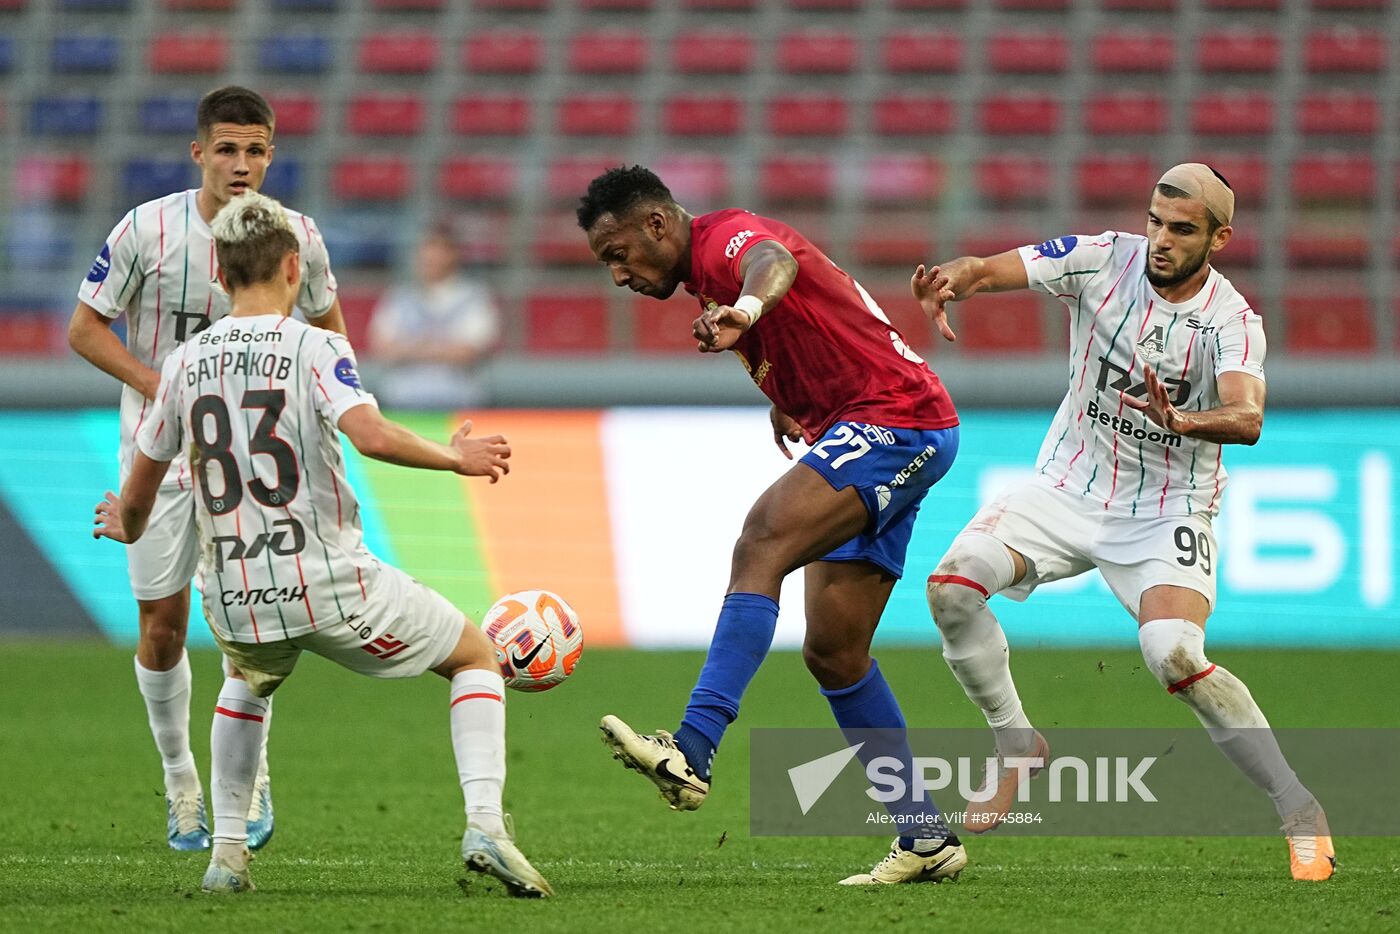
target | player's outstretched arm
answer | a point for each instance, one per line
(962, 278)
(90, 335)
(768, 270)
(1238, 419)
(376, 436)
(123, 518)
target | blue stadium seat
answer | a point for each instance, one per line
(170, 113)
(38, 240)
(146, 179)
(7, 54)
(284, 179)
(357, 239)
(85, 55)
(71, 115)
(303, 55)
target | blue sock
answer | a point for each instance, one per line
(869, 705)
(742, 638)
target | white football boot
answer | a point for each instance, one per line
(906, 866)
(658, 758)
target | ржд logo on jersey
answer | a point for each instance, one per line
(274, 541)
(736, 243)
(1123, 382)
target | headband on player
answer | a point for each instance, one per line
(1198, 181)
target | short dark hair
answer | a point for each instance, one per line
(619, 190)
(233, 104)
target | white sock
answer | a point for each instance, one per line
(1174, 650)
(262, 751)
(974, 645)
(167, 697)
(240, 719)
(478, 719)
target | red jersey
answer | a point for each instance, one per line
(825, 352)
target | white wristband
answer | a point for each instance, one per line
(752, 306)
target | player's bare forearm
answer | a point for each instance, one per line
(376, 436)
(769, 270)
(123, 518)
(968, 275)
(1236, 423)
(1238, 419)
(90, 335)
(333, 320)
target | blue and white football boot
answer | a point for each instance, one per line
(186, 826)
(497, 855)
(260, 814)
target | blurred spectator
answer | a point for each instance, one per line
(430, 337)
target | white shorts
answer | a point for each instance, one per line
(406, 629)
(164, 559)
(1061, 535)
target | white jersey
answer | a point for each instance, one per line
(158, 266)
(1099, 448)
(259, 398)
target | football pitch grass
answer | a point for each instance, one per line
(369, 815)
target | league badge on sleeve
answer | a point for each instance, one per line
(345, 372)
(1060, 246)
(101, 266)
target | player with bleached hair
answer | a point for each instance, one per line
(159, 268)
(260, 397)
(1166, 368)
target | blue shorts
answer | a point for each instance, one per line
(892, 469)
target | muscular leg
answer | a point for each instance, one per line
(1171, 633)
(845, 600)
(796, 520)
(974, 646)
(163, 675)
(477, 712)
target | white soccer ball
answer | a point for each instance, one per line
(537, 637)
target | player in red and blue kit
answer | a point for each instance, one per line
(882, 431)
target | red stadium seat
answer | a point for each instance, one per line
(1125, 113)
(1020, 114)
(597, 115)
(28, 333)
(477, 178)
(901, 179)
(1052, 6)
(1244, 249)
(608, 53)
(491, 115)
(638, 5)
(909, 53)
(1334, 177)
(796, 179)
(1013, 179)
(372, 178)
(664, 327)
(1140, 6)
(1004, 323)
(1263, 5)
(991, 238)
(1137, 51)
(907, 317)
(711, 52)
(357, 306)
(1328, 323)
(503, 52)
(824, 5)
(930, 4)
(818, 52)
(1339, 112)
(695, 179)
(399, 53)
(1116, 180)
(59, 179)
(297, 114)
(1345, 50)
(386, 115)
(703, 115)
(519, 6)
(560, 242)
(1238, 51)
(914, 115)
(187, 53)
(881, 243)
(569, 176)
(1233, 113)
(807, 115)
(1028, 53)
(566, 323)
(720, 5)
(1320, 249)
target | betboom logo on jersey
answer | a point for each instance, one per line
(1129, 429)
(101, 266)
(736, 243)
